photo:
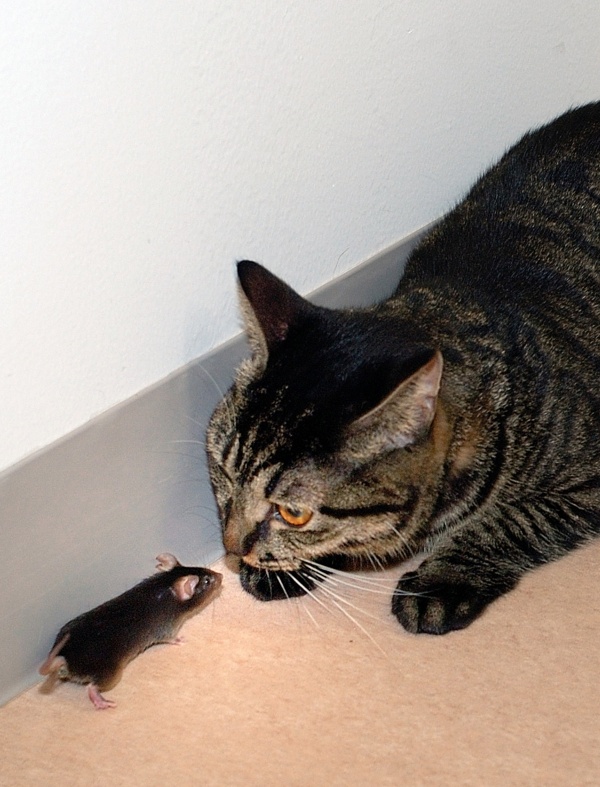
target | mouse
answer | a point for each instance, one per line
(95, 647)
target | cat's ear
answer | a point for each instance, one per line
(402, 417)
(269, 307)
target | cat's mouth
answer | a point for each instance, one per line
(270, 585)
(274, 584)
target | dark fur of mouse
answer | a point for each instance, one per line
(95, 647)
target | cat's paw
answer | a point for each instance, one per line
(431, 603)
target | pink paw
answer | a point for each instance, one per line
(99, 702)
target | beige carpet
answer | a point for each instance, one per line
(265, 694)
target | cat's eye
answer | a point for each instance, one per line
(295, 516)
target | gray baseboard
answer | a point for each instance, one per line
(82, 520)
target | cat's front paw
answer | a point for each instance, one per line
(429, 602)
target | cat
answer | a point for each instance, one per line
(460, 418)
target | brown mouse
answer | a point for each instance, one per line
(95, 647)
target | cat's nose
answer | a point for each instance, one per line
(232, 538)
(235, 529)
(247, 523)
(239, 539)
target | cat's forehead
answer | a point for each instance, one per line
(331, 369)
(297, 378)
(274, 429)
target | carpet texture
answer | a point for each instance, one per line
(295, 693)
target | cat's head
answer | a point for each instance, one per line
(323, 443)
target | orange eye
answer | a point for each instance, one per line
(295, 516)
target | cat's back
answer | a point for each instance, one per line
(531, 223)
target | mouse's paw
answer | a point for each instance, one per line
(99, 702)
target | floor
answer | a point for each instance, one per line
(295, 693)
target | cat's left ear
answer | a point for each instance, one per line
(402, 417)
(269, 307)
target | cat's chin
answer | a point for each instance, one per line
(268, 585)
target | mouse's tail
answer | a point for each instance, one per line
(54, 662)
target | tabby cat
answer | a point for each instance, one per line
(459, 419)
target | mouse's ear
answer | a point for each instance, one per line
(54, 662)
(183, 587)
(166, 561)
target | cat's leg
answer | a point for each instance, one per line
(482, 560)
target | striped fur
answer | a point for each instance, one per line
(460, 418)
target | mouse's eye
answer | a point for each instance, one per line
(295, 515)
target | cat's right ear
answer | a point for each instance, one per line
(402, 417)
(269, 308)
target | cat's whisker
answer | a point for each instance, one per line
(200, 506)
(269, 580)
(304, 606)
(309, 592)
(375, 562)
(356, 583)
(283, 587)
(211, 378)
(359, 577)
(333, 580)
(404, 549)
(179, 453)
(194, 420)
(332, 599)
(356, 580)
(342, 600)
(287, 595)
(325, 573)
(310, 615)
(338, 602)
(423, 594)
(230, 410)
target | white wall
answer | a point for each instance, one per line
(147, 145)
